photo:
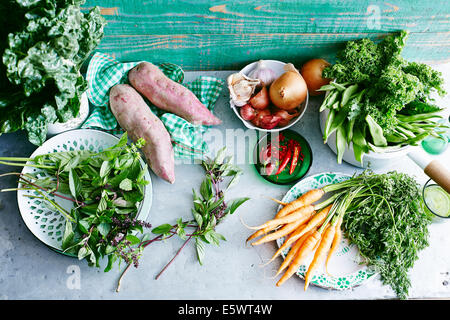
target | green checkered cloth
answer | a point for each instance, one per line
(104, 72)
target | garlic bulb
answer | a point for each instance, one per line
(263, 73)
(241, 88)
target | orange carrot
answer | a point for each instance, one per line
(305, 199)
(258, 233)
(300, 256)
(292, 251)
(287, 242)
(263, 231)
(302, 213)
(285, 230)
(336, 242)
(320, 254)
(315, 221)
(280, 202)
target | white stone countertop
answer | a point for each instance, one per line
(30, 270)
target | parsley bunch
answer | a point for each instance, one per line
(388, 224)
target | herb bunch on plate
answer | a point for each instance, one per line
(106, 188)
(388, 224)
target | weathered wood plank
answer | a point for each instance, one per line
(230, 52)
(214, 17)
(206, 35)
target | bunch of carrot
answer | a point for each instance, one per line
(307, 229)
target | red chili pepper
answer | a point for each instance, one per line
(294, 161)
(285, 161)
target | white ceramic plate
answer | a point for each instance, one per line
(278, 68)
(345, 268)
(48, 225)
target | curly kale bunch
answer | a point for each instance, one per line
(378, 100)
(392, 82)
(44, 44)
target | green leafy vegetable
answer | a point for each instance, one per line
(209, 209)
(388, 224)
(104, 216)
(375, 86)
(384, 216)
(43, 45)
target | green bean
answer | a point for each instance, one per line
(395, 138)
(328, 123)
(359, 136)
(347, 94)
(326, 87)
(419, 117)
(340, 143)
(350, 125)
(376, 132)
(406, 132)
(414, 141)
(340, 87)
(337, 122)
(329, 100)
(383, 149)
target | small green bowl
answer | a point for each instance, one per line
(284, 178)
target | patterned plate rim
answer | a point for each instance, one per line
(148, 194)
(359, 280)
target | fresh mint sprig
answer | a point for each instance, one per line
(209, 209)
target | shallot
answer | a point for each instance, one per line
(247, 112)
(261, 99)
(285, 116)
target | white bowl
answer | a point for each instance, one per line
(74, 123)
(278, 68)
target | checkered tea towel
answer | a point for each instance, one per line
(104, 72)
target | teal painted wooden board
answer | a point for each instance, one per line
(220, 35)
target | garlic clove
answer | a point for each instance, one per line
(241, 88)
(263, 73)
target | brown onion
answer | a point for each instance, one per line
(260, 100)
(289, 90)
(312, 73)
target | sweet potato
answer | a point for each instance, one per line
(135, 116)
(169, 95)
